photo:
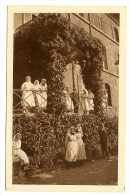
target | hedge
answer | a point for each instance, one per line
(43, 137)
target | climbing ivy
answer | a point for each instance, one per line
(43, 47)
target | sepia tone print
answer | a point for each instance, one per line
(65, 98)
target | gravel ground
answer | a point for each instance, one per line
(98, 172)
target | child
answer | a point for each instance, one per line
(17, 150)
(81, 155)
(71, 147)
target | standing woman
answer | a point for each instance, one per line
(91, 97)
(27, 95)
(71, 147)
(37, 97)
(85, 103)
(81, 155)
(43, 86)
(68, 100)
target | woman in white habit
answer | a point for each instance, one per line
(81, 154)
(43, 86)
(91, 97)
(85, 103)
(36, 93)
(27, 95)
(71, 146)
(17, 150)
(68, 100)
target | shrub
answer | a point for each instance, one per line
(43, 136)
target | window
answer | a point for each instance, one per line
(116, 34)
(27, 17)
(99, 21)
(105, 64)
(108, 91)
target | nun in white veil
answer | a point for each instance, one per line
(17, 149)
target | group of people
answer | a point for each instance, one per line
(74, 145)
(33, 94)
(83, 101)
(75, 149)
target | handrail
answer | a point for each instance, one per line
(79, 98)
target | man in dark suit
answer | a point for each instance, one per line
(103, 141)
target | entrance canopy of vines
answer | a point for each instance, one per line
(44, 46)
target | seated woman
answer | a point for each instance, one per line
(17, 150)
(27, 95)
(81, 154)
(71, 147)
(36, 94)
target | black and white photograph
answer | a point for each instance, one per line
(65, 98)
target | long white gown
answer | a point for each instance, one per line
(27, 95)
(81, 154)
(18, 152)
(36, 94)
(71, 148)
(85, 103)
(68, 101)
(43, 101)
(91, 102)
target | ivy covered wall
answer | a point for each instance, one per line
(43, 47)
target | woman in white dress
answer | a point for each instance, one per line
(27, 95)
(43, 86)
(91, 97)
(17, 150)
(85, 103)
(36, 93)
(81, 154)
(71, 146)
(68, 100)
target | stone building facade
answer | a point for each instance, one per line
(106, 28)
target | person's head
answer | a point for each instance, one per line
(67, 88)
(72, 130)
(36, 82)
(28, 79)
(43, 81)
(18, 136)
(78, 127)
(89, 91)
(84, 90)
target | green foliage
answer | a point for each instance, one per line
(43, 136)
(42, 49)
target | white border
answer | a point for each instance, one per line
(3, 16)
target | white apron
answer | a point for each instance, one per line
(27, 95)
(81, 154)
(68, 101)
(71, 148)
(36, 94)
(43, 101)
(19, 153)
